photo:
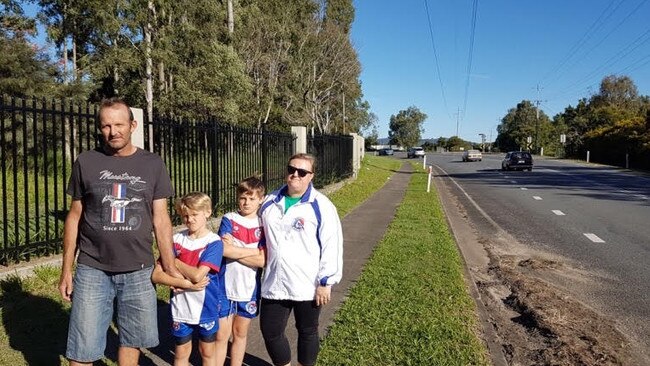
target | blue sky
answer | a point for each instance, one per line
(565, 47)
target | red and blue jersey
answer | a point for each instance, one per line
(242, 283)
(196, 307)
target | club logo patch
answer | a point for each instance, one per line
(208, 325)
(176, 326)
(258, 233)
(251, 307)
(298, 223)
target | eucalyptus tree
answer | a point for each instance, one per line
(24, 68)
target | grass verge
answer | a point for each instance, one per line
(410, 306)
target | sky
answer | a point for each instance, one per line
(551, 52)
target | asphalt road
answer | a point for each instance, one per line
(597, 217)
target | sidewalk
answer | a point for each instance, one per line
(363, 228)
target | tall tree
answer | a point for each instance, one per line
(406, 127)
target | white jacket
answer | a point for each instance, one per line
(304, 246)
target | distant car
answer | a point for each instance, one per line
(415, 152)
(386, 152)
(472, 155)
(517, 160)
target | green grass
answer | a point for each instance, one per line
(372, 176)
(410, 305)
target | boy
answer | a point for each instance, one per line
(195, 300)
(243, 238)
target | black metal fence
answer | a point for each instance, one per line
(38, 142)
(212, 157)
(334, 154)
(40, 139)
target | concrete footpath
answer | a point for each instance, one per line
(363, 228)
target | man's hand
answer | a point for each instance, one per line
(323, 294)
(65, 285)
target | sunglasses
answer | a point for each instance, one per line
(291, 170)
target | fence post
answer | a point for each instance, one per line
(587, 156)
(356, 153)
(137, 137)
(300, 146)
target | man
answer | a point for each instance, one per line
(304, 244)
(119, 195)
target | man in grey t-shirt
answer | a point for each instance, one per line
(119, 196)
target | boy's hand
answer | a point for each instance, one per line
(227, 240)
(199, 285)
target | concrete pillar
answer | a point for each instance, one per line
(137, 138)
(300, 145)
(358, 150)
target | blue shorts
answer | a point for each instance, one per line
(245, 309)
(183, 331)
(93, 295)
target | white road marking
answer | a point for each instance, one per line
(524, 188)
(513, 181)
(538, 198)
(558, 212)
(594, 238)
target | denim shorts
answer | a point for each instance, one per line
(93, 295)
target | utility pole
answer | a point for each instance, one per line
(537, 102)
(457, 121)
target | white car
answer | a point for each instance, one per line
(415, 152)
(472, 155)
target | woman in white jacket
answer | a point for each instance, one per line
(304, 244)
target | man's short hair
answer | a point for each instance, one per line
(111, 102)
(251, 185)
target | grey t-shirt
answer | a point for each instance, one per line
(117, 193)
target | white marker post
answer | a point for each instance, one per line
(424, 162)
(429, 180)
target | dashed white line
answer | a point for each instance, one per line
(594, 238)
(537, 198)
(558, 212)
(513, 181)
(524, 188)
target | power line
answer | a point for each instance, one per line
(435, 54)
(583, 40)
(470, 54)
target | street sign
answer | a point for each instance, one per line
(562, 138)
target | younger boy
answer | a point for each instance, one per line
(195, 301)
(242, 235)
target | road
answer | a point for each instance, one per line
(596, 217)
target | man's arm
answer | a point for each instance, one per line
(162, 227)
(70, 232)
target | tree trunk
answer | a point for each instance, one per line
(149, 70)
(231, 18)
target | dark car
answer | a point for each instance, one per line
(386, 152)
(517, 160)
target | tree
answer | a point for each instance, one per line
(519, 124)
(406, 127)
(24, 68)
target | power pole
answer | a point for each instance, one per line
(537, 102)
(457, 121)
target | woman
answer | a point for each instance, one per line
(304, 244)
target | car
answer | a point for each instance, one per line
(472, 155)
(386, 152)
(415, 152)
(517, 160)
